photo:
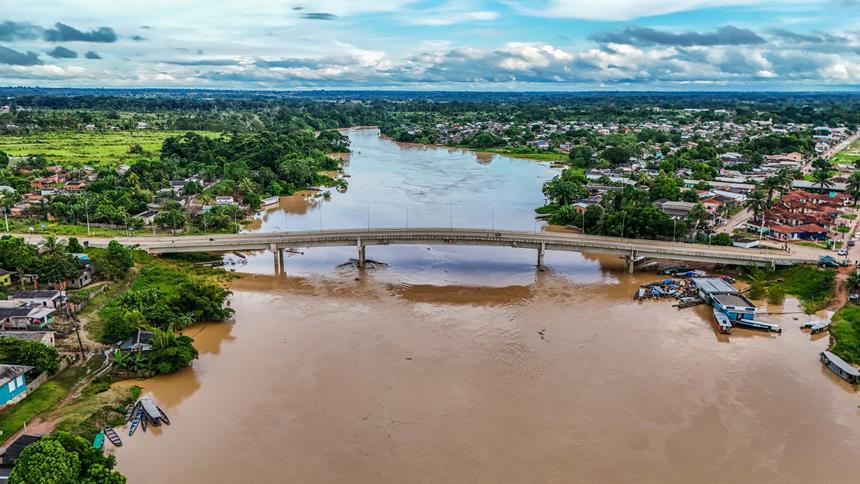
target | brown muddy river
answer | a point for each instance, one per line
(458, 364)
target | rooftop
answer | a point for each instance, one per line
(714, 285)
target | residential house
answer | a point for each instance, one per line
(47, 338)
(676, 209)
(148, 216)
(6, 277)
(49, 298)
(13, 383)
(224, 200)
(138, 342)
(22, 316)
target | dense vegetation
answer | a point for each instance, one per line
(813, 286)
(846, 333)
(53, 264)
(163, 297)
(627, 212)
(64, 458)
(29, 353)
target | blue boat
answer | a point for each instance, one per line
(136, 415)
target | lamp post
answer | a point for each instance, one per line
(623, 218)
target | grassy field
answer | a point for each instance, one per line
(74, 148)
(849, 155)
(813, 286)
(44, 399)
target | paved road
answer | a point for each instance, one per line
(461, 236)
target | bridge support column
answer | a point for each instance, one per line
(362, 253)
(631, 262)
(281, 259)
(541, 252)
(274, 249)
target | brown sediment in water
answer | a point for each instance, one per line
(462, 364)
(328, 379)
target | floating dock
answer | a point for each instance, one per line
(760, 325)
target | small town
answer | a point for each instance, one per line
(456, 241)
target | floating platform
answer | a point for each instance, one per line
(759, 325)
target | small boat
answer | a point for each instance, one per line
(143, 424)
(656, 292)
(840, 367)
(112, 436)
(753, 324)
(136, 416)
(163, 415)
(816, 327)
(722, 323)
(99, 440)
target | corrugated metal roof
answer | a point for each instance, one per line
(714, 285)
(842, 364)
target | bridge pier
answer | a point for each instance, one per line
(541, 252)
(362, 254)
(630, 262)
(281, 258)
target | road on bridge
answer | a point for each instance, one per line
(542, 241)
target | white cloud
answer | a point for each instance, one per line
(623, 10)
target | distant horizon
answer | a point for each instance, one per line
(855, 91)
(452, 45)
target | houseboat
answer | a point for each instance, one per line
(760, 325)
(841, 367)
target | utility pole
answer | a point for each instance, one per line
(623, 218)
(6, 218)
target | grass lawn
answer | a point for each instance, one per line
(848, 216)
(849, 155)
(93, 148)
(44, 399)
(544, 156)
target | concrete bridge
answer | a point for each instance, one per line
(277, 242)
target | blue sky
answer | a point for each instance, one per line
(454, 44)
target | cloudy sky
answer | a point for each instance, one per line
(421, 44)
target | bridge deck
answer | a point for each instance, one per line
(463, 236)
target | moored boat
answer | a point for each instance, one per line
(841, 367)
(722, 322)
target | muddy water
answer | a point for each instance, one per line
(457, 364)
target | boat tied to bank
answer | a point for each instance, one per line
(841, 367)
(816, 327)
(145, 413)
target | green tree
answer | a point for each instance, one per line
(758, 203)
(114, 262)
(821, 177)
(29, 353)
(172, 219)
(74, 246)
(853, 186)
(45, 462)
(99, 474)
(120, 325)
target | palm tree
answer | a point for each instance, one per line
(52, 245)
(758, 203)
(853, 186)
(771, 184)
(821, 177)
